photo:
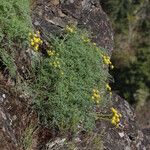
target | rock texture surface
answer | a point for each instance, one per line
(127, 137)
(15, 117)
(51, 16)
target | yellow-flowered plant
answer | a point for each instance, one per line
(35, 40)
(108, 87)
(107, 61)
(85, 39)
(62, 80)
(56, 64)
(51, 52)
(70, 29)
(94, 44)
(115, 120)
(96, 96)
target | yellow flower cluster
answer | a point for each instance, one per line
(108, 88)
(70, 29)
(107, 61)
(96, 96)
(35, 40)
(56, 64)
(85, 39)
(94, 44)
(52, 53)
(115, 120)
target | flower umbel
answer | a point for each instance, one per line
(35, 40)
(107, 61)
(115, 120)
(108, 87)
(51, 52)
(85, 39)
(70, 29)
(96, 96)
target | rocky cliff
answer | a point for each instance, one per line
(19, 126)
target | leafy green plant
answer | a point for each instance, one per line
(65, 80)
(15, 19)
(15, 24)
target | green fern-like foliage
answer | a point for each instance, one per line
(15, 19)
(62, 94)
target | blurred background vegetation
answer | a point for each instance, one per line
(131, 56)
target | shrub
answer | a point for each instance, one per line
(65, 79)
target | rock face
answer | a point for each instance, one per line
(52, 16)
(127, 137)
(16, 116)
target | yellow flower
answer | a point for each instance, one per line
(58, 62)
(113, 121)
(41, 42)
(117, 125)
(112, 67)
(35, 40)
(36, 47)
(106, 62)
(94, 44)
(85, 39)
(93, 97)
(55, 64)
(97, 101)
(35, 35)
(106, 59)
(114, 110)
(32, 43)
(70, 29)
(116, 117)
(108, 87)
(30, 34)
(120, 115)
(94, 90)
(50, 53)
(96, 96)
